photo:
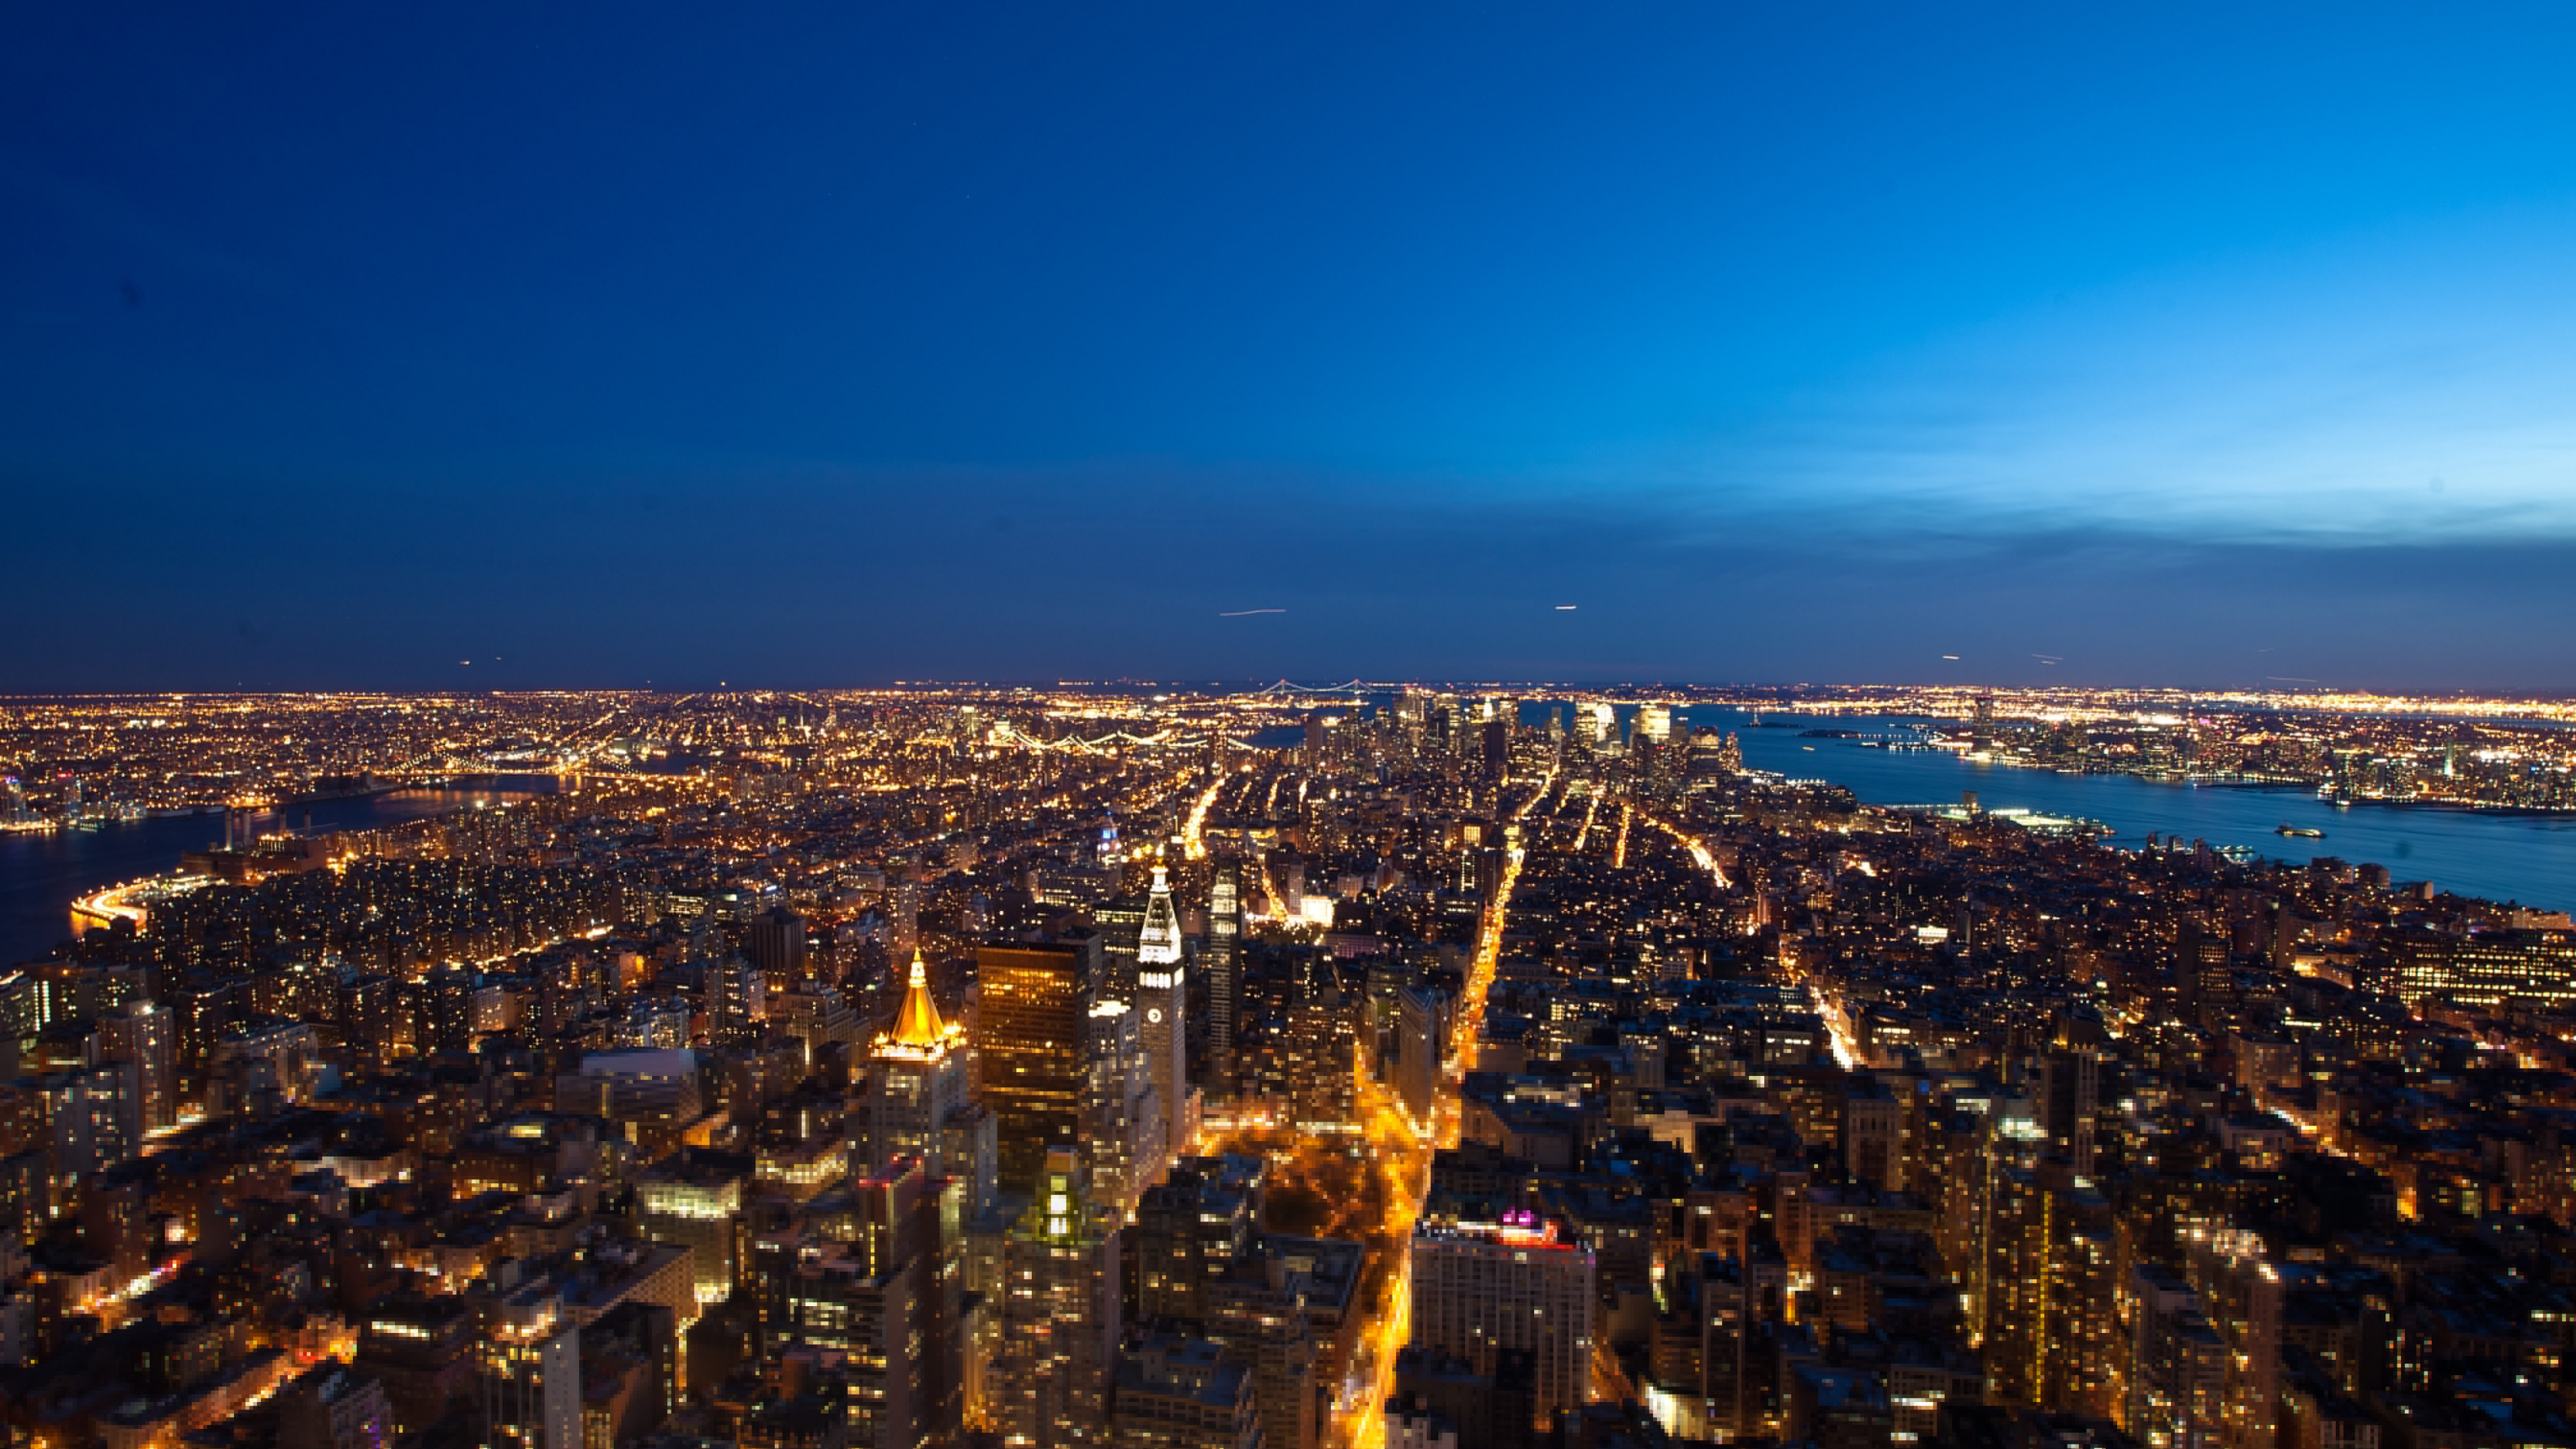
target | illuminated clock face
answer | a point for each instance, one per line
(1153, 1013)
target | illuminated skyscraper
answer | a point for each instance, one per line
(920, 1102)
(1060, 1316)
(1030, 1026)
(1162, 1002)
(1224, 971)
(889, 1297)
(1122, 1118)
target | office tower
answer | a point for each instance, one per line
(1224, 966)
(15, 797)
(1033, 1001)
(1060, 1333)
(921, 1103)
(694, 1200)
(1162, 1002)
(1190, 1230)
(734, 1004)
(1122, 1119)
(903, 916)
(1652, 723)
(1421, 1018)
(144, 1034)
(776, 944)
(1121, 923)
(1595, 724)
(654, 1090)
(2069, 1092)
(528, 1374)
(1981, 731)
(890, 1299)
(1494, 738)
(818, 1016)
(1320, 1050)
(446, 1012)
(1482, 1287)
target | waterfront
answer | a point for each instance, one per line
(41, 872)
(2526, 858)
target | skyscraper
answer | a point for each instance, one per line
(1162, 1001)
(1060, 1312)
(734, 1000)
(1122, 1118)
(920, 1103)
(1224, 967)
(775, 941)
(144, 1034)
(1030, 1025)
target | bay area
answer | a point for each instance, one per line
(2530, 859)
(43, 872)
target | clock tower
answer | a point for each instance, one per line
(1162, 1001)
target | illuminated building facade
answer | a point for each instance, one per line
(528, 1376)
(1162, 1007)
(1121, 1114)
(694, 1201)
(1515, 1283)
(1060, 1316)
(1031, 1010)
(920, 1102)
(1224, 968)
(144, 1034)
(889, 1299)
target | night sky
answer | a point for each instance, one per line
(802, 347)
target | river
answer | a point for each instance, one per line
(41, 874)
(2525, 858)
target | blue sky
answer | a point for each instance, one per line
(2194, 345)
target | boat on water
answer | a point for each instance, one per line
(2304, 832)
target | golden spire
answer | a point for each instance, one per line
(918, 1024)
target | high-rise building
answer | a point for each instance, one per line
(694, 1201)
(1319, 1050)
(332, 1406)
(734, 1000)
(1516, 1283)
(1031, 1022)
(1060, 1334)
(1421, 1023)
(1190, 1230)
(1162, 1004)
(921, 1103)
(144, 1034)
(889, 1297)
(1122, 1118)
(1224, 969)
(528, 1374)
(903, 915)
(775, 941)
